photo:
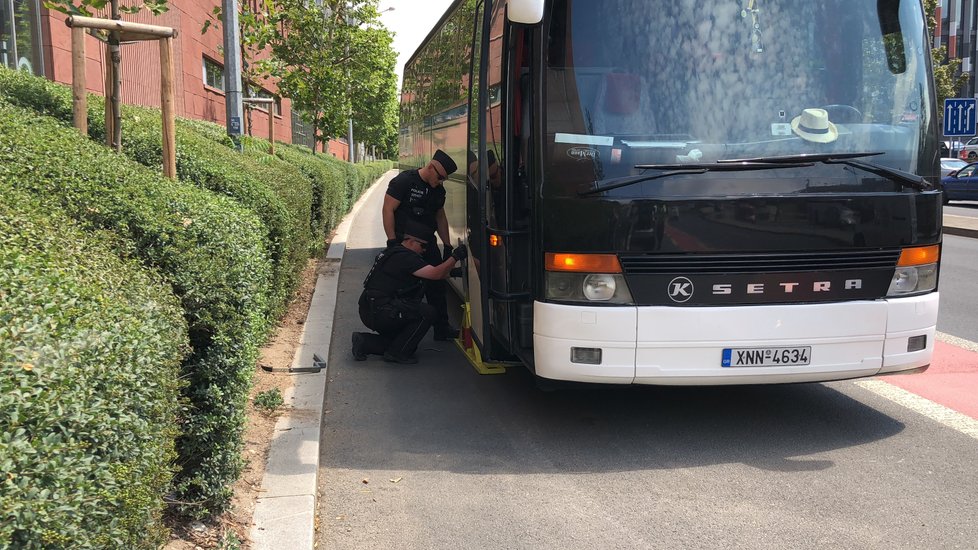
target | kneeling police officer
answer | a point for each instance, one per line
(391, 300)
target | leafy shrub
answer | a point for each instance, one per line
(269, 400)
(233, 263)
(213, 165)
(90, 347)
(203, 158)
(210, 249)
(295, 190)
(329, 195)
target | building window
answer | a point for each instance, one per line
(213, 74)
(257, 91)
(20, 35)
(302, 132)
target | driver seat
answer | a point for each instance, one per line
(623, 106)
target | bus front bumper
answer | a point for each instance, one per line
(684, 346)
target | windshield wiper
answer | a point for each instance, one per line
(684, 169)
(906, 179)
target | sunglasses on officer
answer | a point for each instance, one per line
(422, 244)
(438, 174)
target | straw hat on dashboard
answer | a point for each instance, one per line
(813, 125)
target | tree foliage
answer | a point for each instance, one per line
(88, 7)
(948, 79)
(332, 59)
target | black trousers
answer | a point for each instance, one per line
(400, 325)
(435, 291)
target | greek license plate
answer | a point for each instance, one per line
(766, 357)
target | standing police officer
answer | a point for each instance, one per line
(391, 300)
(418, 196)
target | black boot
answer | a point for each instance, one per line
(445, 332)
(358, 353)
(408, 360)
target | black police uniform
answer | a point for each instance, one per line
(420, 203)
(391, 305)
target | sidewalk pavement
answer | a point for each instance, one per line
(964, 226)
(285, 515)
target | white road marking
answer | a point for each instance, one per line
(935, 411)
(955, 341)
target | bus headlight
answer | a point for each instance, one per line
(913, 280)
(599, 287)
(587, 287)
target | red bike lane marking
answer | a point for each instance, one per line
(951, 380)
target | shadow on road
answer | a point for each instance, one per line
(442, 415)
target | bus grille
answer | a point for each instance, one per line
(654, 264)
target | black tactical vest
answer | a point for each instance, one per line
(381, 280)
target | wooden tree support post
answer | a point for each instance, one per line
(79, 86)
(109, 89)
(166, 103)
(126, 32)
(270, 103)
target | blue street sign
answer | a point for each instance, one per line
(959, 117)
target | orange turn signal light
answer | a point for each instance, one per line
(921, 255)
(588, 263)
(494, 240)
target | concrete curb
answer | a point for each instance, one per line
(285, 515)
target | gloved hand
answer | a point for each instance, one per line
(456, 272)
(446, 252)
(391, 242)
(460, 253)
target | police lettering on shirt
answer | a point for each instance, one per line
(419, 201)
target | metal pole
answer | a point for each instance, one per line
(232, 71)
(349, 141)
(349, 132)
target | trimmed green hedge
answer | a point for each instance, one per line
(231, 251)
(329, 196)
(90, 347)
(210, 249)
(214, 166)
(296, 191)
(203, 158)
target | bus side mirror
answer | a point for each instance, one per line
(527, 12)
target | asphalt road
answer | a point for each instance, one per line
(436, 456)
(959, 295)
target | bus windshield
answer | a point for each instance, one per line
(633, 82)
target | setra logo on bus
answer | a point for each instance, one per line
(582, 153)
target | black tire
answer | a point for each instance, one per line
(972, 155)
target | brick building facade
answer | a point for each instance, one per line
(36, 39)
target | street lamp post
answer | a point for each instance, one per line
(234, 108)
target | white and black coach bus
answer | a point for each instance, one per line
(688, 192)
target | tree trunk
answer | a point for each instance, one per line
(315, 132)
(116, 59)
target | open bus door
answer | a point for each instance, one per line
(506, 194)
(498, 241)
(475, 326)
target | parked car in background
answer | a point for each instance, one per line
(962, 185)
(969, 151)
(950, 148)
(949, 165)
